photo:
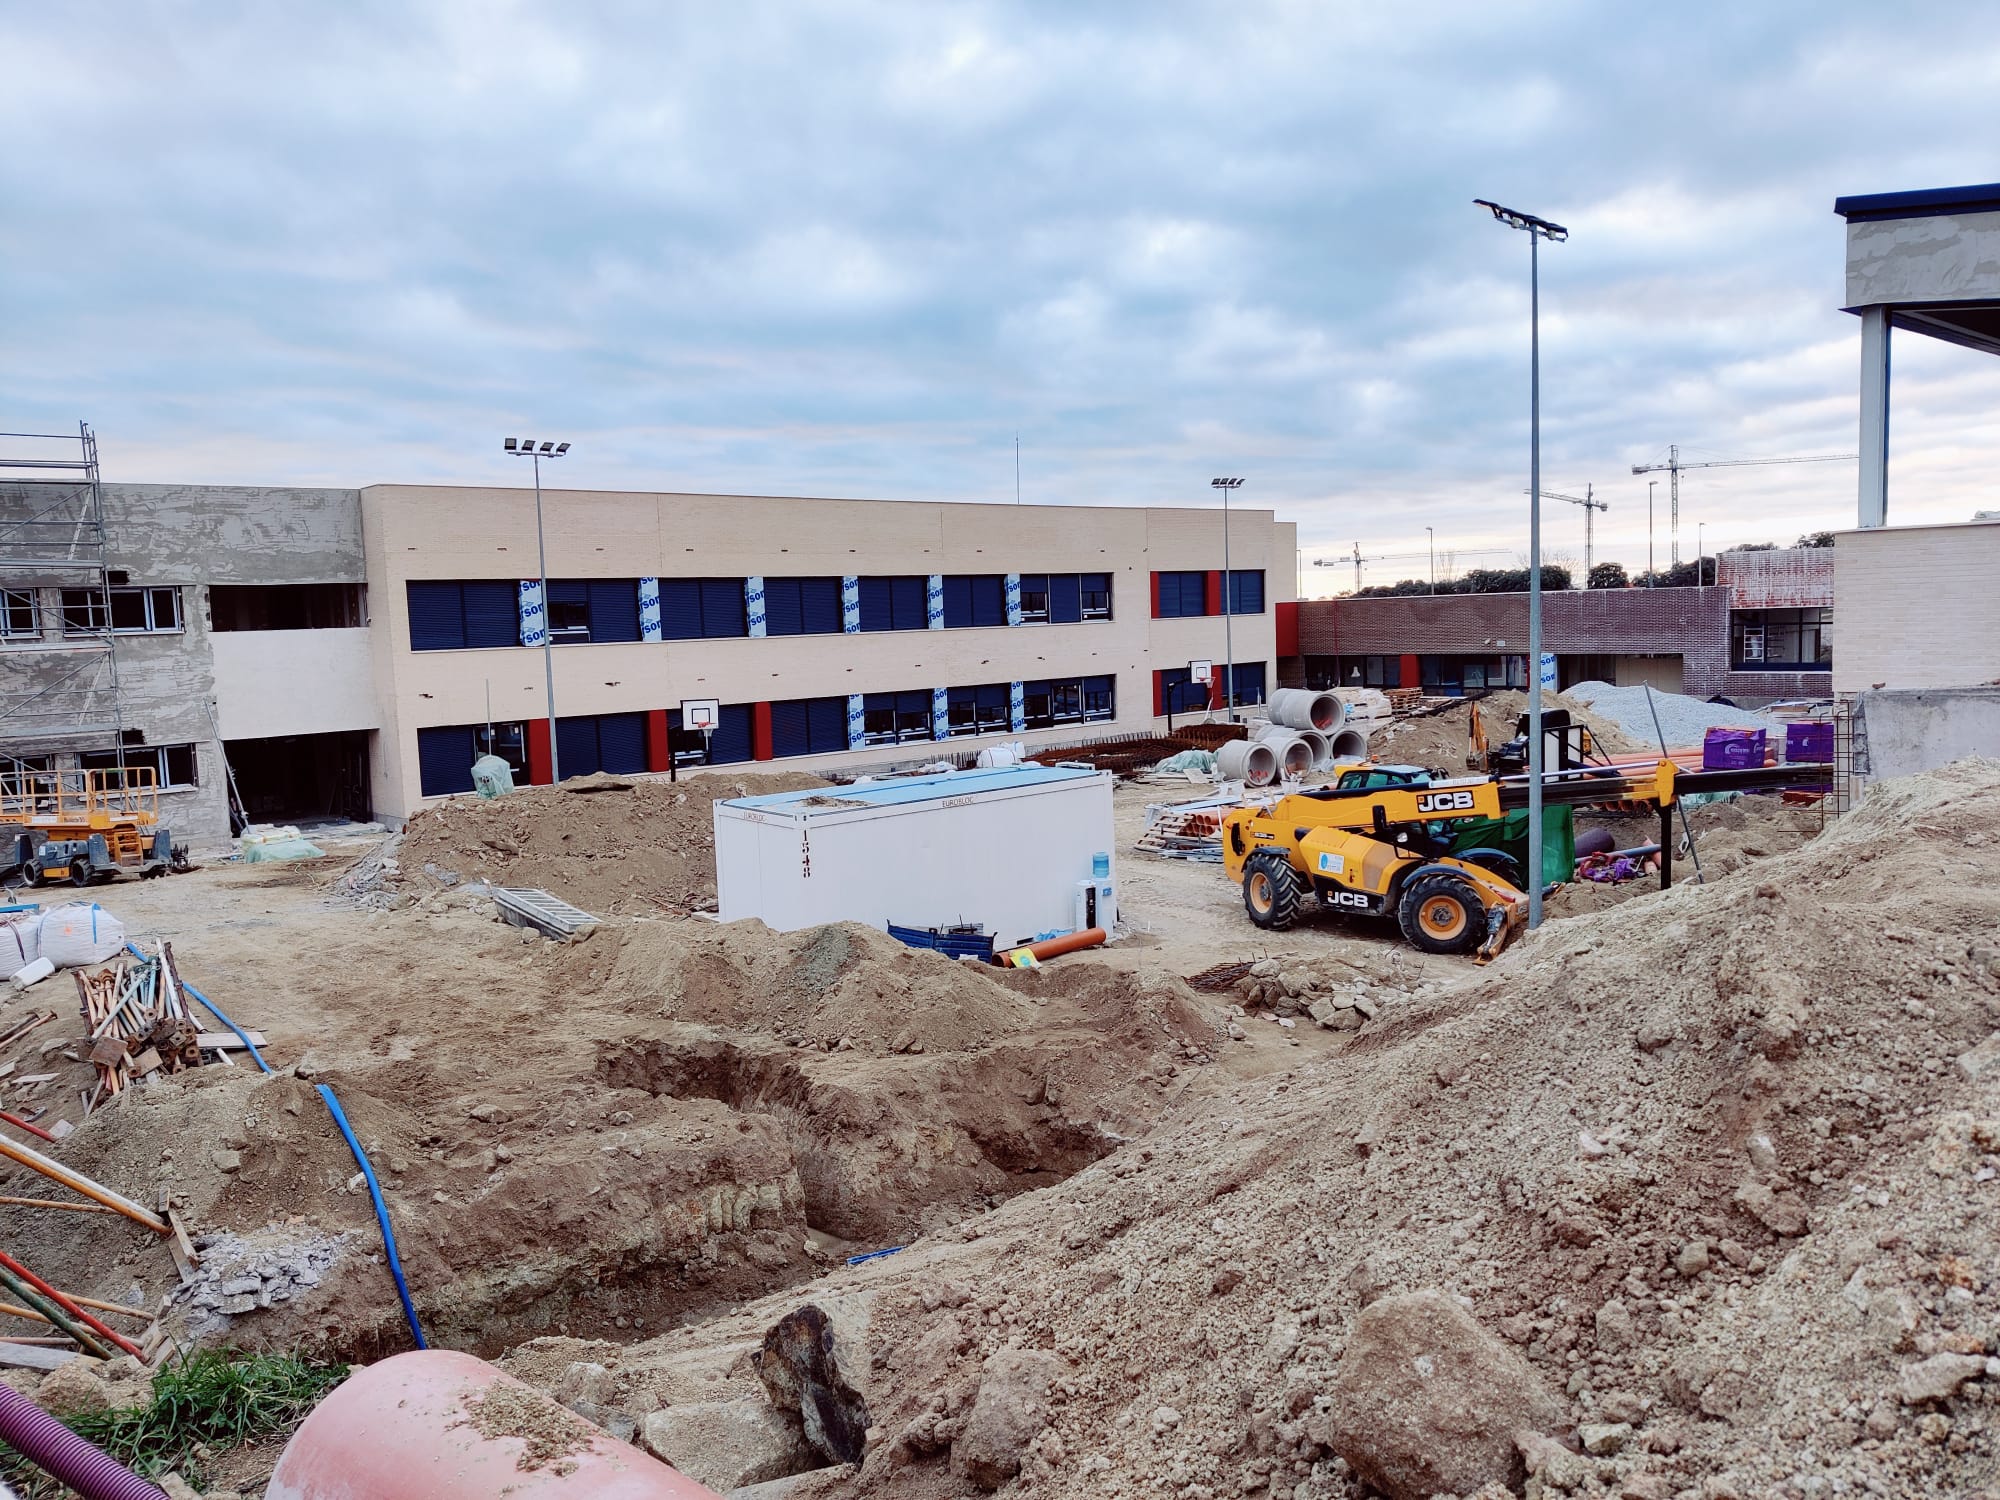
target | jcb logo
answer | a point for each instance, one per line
(1445, 802)
(1348, 898)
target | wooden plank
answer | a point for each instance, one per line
(224, 1041)
(185, 1260)
(34, 1357)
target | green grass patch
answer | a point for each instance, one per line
(204, 1405)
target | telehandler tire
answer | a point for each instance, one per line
(1271, 890)
(1439, 913)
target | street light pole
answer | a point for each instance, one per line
(1537, 230)
(1227, 486)
(1431, 532)
(526, 448)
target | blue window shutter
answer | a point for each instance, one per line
(878, 610)
(492, 612)
(569, 591)
(1246, 591)
(437, 616)
(826, 725)
(819, 606)
(733, 738)
(722, 612)
(1065, 599)
(614, 610)
(908, 607)
(444, 760)
(621, 743)
(791, 728)
(989, 599)
(680, 609)
(576, 747)
(782, 614)
(957, 601)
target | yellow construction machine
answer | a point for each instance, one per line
(1379, 842)
(83, 826)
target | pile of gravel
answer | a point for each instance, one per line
(1683, 720)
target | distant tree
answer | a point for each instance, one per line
(1680, 576)
(1753, 547)
(1511, 580)
(1402, 586)
(1608, 575)
(1815, 539)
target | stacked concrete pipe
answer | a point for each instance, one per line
(1296, 754)
(1349, 744)
(1303, 708)
(1251, 762)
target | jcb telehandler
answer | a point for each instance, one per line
(1378, 843)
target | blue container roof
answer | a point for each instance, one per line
(906, 789)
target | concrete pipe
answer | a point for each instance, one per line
(1251, 762)
(1321, 746)
(1269, 733)
(1301, 708)
(1295, 757)
(1350, 744)
(439, 1425)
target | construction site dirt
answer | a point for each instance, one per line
(1704, 1169)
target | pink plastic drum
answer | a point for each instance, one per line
(437, 1425)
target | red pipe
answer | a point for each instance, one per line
(65, 1457)
(70, 1307)
(31, 1129)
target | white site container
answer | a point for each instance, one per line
(1002, 846)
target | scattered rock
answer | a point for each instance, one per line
(1983, 1061)
(1009, 1412)
(727, 1444)
(1938, 1378)
(1614, 1326)
(1426, 1401)
(226, 1161)
(815, 1362)
(1692, 1260)
(1780, 1213)
(75, 1389)
(1602, 1439)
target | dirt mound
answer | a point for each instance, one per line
(667, 1118)
(1722, 1166)
(606, 844)
(1438, 740)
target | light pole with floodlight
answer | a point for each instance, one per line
(1431, 532)
(1537, 230)
(526, 448)
(1227, 486)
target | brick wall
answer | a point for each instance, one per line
(1692, 623)
(1788, 578)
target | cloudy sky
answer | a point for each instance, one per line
(853, 248)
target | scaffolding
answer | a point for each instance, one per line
(58, 640)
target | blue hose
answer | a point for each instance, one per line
(360, 1157)
(381, 1213)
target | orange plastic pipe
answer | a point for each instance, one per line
(424, 1426)
(1071, 942)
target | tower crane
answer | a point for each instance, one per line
(1589, 504)
(1673, 467)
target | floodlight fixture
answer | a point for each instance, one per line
(527, 448)
(1515, 219)
(511, 442)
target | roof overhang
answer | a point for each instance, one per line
(1931, 259)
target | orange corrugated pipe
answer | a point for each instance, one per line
(1055, 947)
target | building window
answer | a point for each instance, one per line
(974, 599)
(985, 709)
(1096, 591)
(1246, 593)
(809, 726)
(1249, 682)
(20, 614)
(895, 603)
(170, 765)
(1182, 595)
(802, 606)
(134, 611)
(1061, 701)
(1781, 640)
(445, 755)
(457, 615)
(1034, 598)
(589, 743)
(896, 718)
(734, 739)
(587, 610)
(693, 609)
(1180, 693)
(285, 606)
(1370, 671)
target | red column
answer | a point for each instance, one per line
(540, 771)
(1159, 677)
(1214, 592)
(1412, 673)
(1288, 630)
(656, 741)
(1156, 599)
(760, 731)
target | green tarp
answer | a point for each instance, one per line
(1509, 833)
